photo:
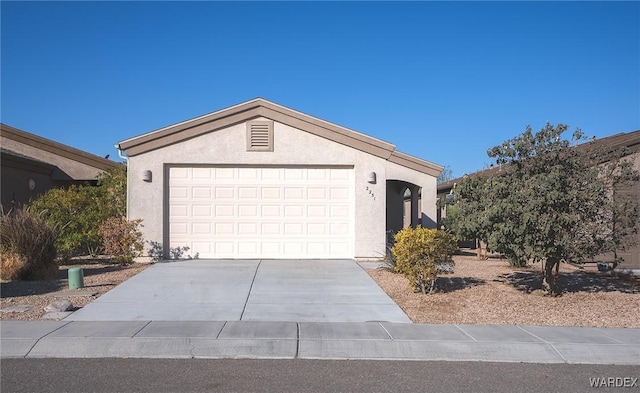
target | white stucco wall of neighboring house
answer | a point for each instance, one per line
(227, 146)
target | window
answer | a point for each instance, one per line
(259, 135)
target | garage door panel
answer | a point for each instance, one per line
(294, 248)
(248, 212)
(201, 192)
(248, 248)
(178, 173)
(200, 248)
(224, 174)
(203, 228)
(179, 193)
(318, 174)
(202, 173)
(316, 193)
(247, 192)
(293, 229)
(179, 211)
(317, 229)
(248, 174)
(339, 174)
(293, 193)
(224, 228)
(316, 211)
(179, 228)
(339, 211)
(201, 211)
(339, 228)
(247, 228)
(294, 211)
(225, 210)
(270, 248)
(270, 228)
(341, 194)
(225, 193)
(223, 248)
(270, 193)
(271, 174)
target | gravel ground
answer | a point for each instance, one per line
(478, 292)
(98, 279)
(491, 292)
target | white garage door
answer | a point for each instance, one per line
(262, 212)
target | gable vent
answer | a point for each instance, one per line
(259, 135)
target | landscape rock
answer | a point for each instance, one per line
(59, 306)
(56, 315)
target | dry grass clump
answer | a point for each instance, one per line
(27, 246)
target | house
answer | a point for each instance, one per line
(259, 180)
(629, 140)
(31, 165)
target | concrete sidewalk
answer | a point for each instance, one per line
(318, 340)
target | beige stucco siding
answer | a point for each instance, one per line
(227, 146)
(68, 168)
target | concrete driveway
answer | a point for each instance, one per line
(247, 290)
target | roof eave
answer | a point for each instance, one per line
(48, 145)
(245, 111)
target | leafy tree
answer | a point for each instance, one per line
(80, 210)
(113, 190)
(445, 175)
(552, 201)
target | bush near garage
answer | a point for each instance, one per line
(422, 253)
(27, 246)
(122, 239)
(79, 211)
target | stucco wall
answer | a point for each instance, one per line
(291, 147)
(69, 169)
(15, 185)
(632, 257)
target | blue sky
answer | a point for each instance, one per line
(444, 81)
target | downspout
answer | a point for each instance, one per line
(126, 159)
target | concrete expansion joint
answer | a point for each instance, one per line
(192, 348)
(386, 331)
(564, 360)
(40, 338)
(528, 332)
(465, 333)
(221, 329)
(297, 341)
(141, 328)
(253, 281)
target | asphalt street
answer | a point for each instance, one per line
(209, 375)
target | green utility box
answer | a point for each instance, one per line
(76, 278)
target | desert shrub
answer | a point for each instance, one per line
(422, 253)
(79, 211)
(28, 246)
(389, 259)
(122, 239)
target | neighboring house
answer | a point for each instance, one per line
(259, 180)
(31, 165)
(629, 140)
